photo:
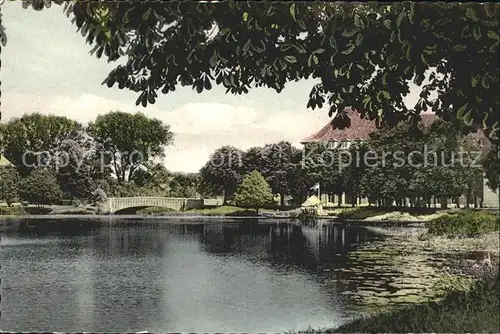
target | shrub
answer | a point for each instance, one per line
(464, 224)
(254, 192)
(9, 179)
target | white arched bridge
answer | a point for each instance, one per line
(114, 204)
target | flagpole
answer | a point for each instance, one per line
(319, 191)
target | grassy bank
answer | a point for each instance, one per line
(466, 223)
(474, 310)
(33, 210)
(358, 213)
(228, 210)
(362, 213)
(225, 210)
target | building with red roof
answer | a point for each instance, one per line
(360, 130)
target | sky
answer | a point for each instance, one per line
(47, 68)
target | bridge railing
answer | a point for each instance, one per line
(176, 203)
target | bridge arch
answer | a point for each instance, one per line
(134, 209)
(115, 204)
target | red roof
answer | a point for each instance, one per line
(360, 128)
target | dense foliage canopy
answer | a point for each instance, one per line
(129, 140)
(276, 162)
(364, 54)
(31, 140)
(40, 187)
(223, 171)
(436, 162)
(81, 158)
(288, 171)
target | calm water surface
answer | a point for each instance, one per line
(133, 275)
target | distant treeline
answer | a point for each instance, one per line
(119, 153)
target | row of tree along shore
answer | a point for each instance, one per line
(57, 160)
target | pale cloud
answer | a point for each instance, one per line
(84, 108)
(214, 117)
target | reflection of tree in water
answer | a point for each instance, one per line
(284, 244)
(140, 238)
(281, 244)
(63, 227)
(321, 253)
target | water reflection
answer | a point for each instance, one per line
(160, 277)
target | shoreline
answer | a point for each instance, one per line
(142, 217)
(15, 223)
(391, 218)
(319, 220)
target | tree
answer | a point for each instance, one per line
(129, 140)
(253, 192)
(184, 185)
(223, 171)
(353, 172)
(300, 177)
(40, 187)
(141, 176)
(254, 159)
(32, 140)
(207, 190)
(275, 162)
(157, 180)
(393, 166)
(330, 175)
(374, 185)
(422, 185)
(418, 162)
(279, 157)
(326, 166)
(242, 45)
(100, 193)
(73, 171)
(453, 175)
(124, 189)
(9, 180)
(153, 175)
(492, 162)
(300, 182)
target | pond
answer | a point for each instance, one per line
(129, 275)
